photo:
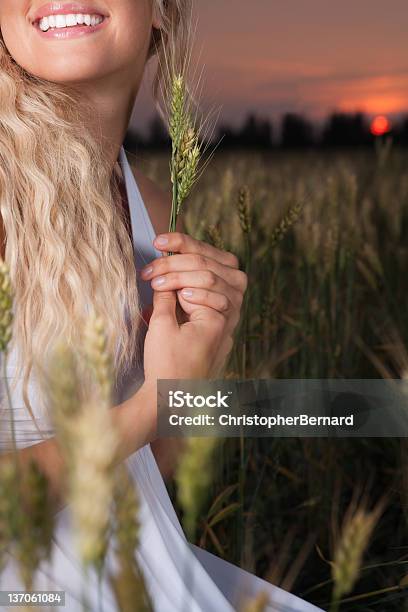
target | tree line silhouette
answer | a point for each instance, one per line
(340, 130)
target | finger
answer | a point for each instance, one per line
(191, 299)
(177, 242)
(164, 307)
(204, 279)
(213, 323)
(189, 262)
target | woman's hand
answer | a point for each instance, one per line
(201, 274)
(210, 289)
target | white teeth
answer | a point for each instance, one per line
(67, 21)
(71, 20)
(60, 21)
(44, 25)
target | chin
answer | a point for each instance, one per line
(71, 69)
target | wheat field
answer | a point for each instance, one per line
(323, 237)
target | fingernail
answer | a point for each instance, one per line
(187, 293)
(161, 240)
(147, 272)
(159, 281)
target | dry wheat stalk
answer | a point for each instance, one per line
(63, 392)
(97, 356)
(285, 224)
(213, 236)
(88, 440)
(258, 604)
(244, 209)
(355, 536)
(91, 480)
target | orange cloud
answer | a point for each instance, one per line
(375, 105)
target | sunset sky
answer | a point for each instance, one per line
(309, 56)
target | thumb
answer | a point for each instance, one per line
(164, 306)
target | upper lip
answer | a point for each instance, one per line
(66, 8)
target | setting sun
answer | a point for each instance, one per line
(380, 125)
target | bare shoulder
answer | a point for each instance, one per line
(157, 201)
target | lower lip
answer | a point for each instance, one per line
(72, 31)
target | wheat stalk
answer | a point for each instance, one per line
(6, 321)
(91, 480)
(36, 521)
(193, 477)
(88, 439)
(98, 357)
(213, 236)
(26, 517)
(6, 305)
(257, 604)
(128, 584)
(26, 520)
(63, 391)
(288, 221)
(186, 147)
(355, 536)
(244, 209)
(190, 131)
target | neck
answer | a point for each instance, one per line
(110, 107)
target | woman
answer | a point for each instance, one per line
(69, 76)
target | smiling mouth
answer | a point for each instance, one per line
(72, 20)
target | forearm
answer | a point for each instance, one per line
(135, 421)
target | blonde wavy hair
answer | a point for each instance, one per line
(67, 244)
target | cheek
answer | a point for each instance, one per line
(13, 26)
(121, 47)
(74, 62)
(16, 40)
(32, 54)
(132, 30)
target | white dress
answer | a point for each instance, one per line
(180, 577)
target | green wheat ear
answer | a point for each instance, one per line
(128, 582)
(194, 475)
(6, 324)
(6, 305)
(186, 147)
(178, 100)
